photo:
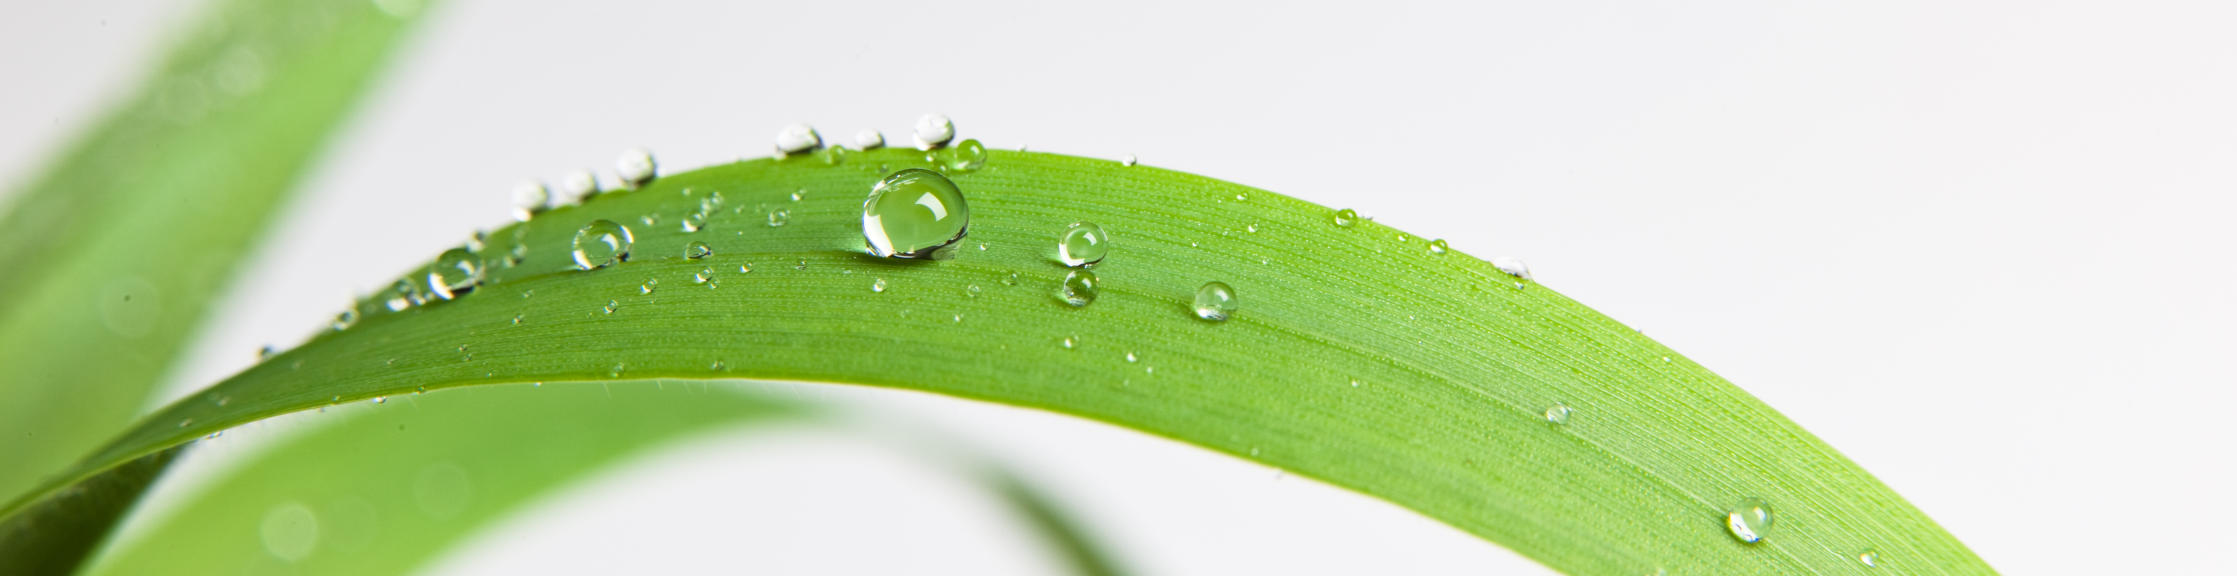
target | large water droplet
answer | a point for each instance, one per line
(1511, 266)
(968, 156)
(696, 250)
(1082, 244)
(798, 138)
(1078, 288)
(529, 199)
(601, 243)
(869, 140)
(1346, 217)
(934, 131)
(454, 273)
(1558, 413)
(1750, 521)
(635, 167)
(1215, 301)
(912, 213)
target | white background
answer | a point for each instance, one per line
(1984, 248)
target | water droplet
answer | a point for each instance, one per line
(971, 291)
(517, 318)
(801, 264)
(968, 156)
(912, 213)
(1558, 413)
(1215, 301)
(1131, 358)
(649, 285)
(380, 399)
(1078, 289)
(691, 222)
(1071, 342)
(745, 267)
(836, 155)
(601, 243)
(635, 167)
(1355, 382)
(1750, 521)
(1511, 266)
(345, 319)
(1011, 280)
(703, 276)
(934, 131)
(185, 422)
(1128, 161)
(869, 140)
(1438, 247)
(959, 317)
(877, 285)
(529, 199)
(578, 185)
(696, 250)
(265, 352)
(1346, 217)
(1253, 228)
(779, 217)
(798, 138)
(1082, 244)
(1869, 558)
(612, 305)
(617, 370)
(454, 273)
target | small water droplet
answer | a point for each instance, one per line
(797, 195)
(1511, 266)
(959, 317)
(967, 156)
(380, 399)
(934, 131)
(745, 267)
(1346, 217)
(1437, 247)
(1082, 244)
(345, 319)
(265, 352)
(612, 305)
(185, 422)
(779, 217)
(1078, 288)
(869, 140)
(704, 275)
(1355, 382)
(1868, 558)
(1253, 228)
(1011, 280)
(1215, 301)
(877, 285)
(617, 370)
(578, 185)
(517, 318)
(1071, 342)
(914, 213)
(1558, 413)
(1750, 521)
(529, 199)
(649, 285)
(801, 264)
(696, 250)
(693, 221)
(602, 243)
(1131, 358)
(1129, 160)
(798, 138)
(836, 155)
(454, 273)
(635, 167)
(971, 291)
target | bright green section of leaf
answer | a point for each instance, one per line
(115, 253)
(390, 487)
(1355, 355)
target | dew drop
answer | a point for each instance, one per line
(836, 155)
(612, 305)
(704, 275)
(578, 185)
(1558, 413)
(968, 156)
(1215, 301)
(1128, 161)
(1869, 558)
(1131, 358)
(380, 399)
(1346, 217)
(877, 285)
(529, 199)
(649, 285)
(601, 243)
(635, 167)
(779, 217)
(1438, 247)
(517, 318)
(745, 267)
(934, 131)
(1750, 521)
(1011, 280)
(1511, 266)
(869, 140)
(1071, 342)
(265, 352)
(454, 273)
(345, 319)
(971, 291)
(691, 222)
(913, 213)
(1082, 244)
(617, 370)
(797, 138)
(1253, 228)
(1078, 289)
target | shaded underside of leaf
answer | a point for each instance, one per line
(1358, 356)
(115, 253)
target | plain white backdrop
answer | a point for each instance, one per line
(1983, 248)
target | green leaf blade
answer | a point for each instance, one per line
(1455, 362)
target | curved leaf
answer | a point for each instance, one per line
(1359, 356)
